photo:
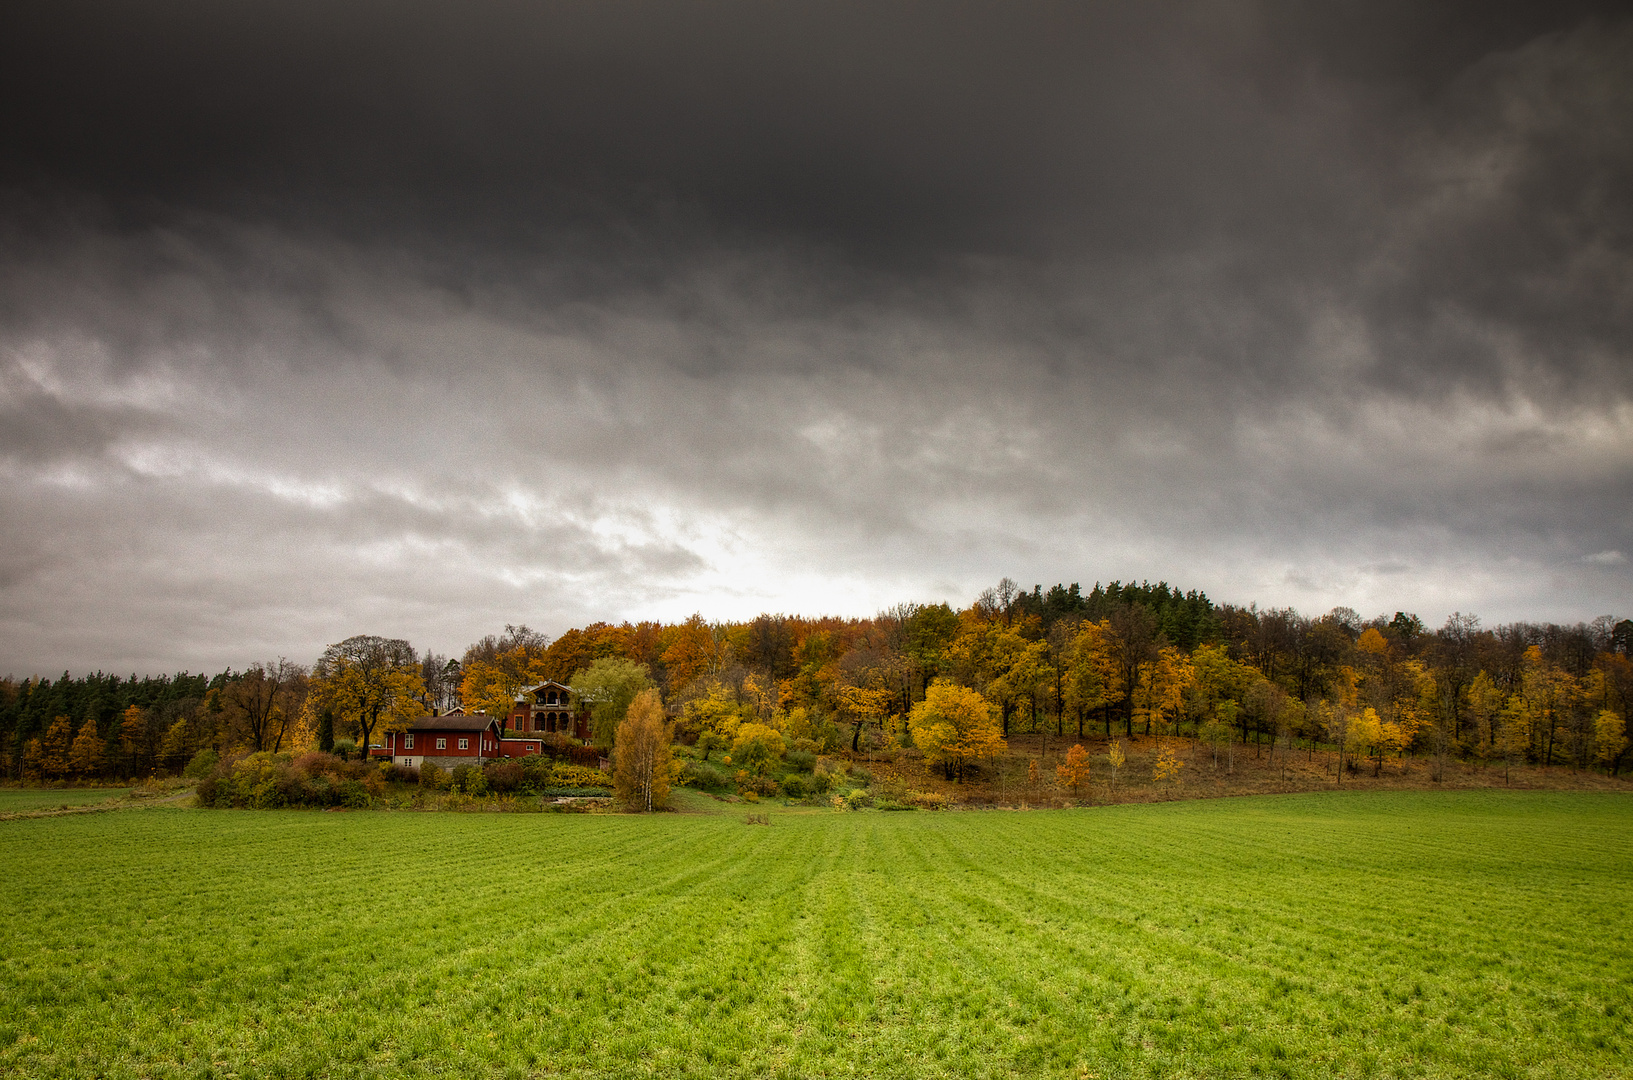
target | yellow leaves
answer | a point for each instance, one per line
(756, 745)
(1160, 693)
(1093, 677)
(1372, 642)
(954, 726)
(492, 686)
(642, 767)
(1609, 736)
(1167, 766)
(863, 704)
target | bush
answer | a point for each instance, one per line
(802, 760)
(344, 749)
(578, 776)
(756, 785)
(795, 786)
(857, 799)
(392, 773)
(503, 777)
(203, 763)
(470, 780)
(705, 775)
(433, 776)
(573, 753)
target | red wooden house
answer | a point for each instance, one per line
(448, 740)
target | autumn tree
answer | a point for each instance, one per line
(609, 687)
(55, 747)
(1610, 739)
(1132, 635)
(85, 755)
(264, 702)
(133, 737)
(695, 650)
(1166, 768)
(497, 668)
(1073, 772)
(641, 760)
(1160, 694)
(862, 706)
(1115, 757)
(756, 746)
(954, 727)
(1092, 676)
(371, 682)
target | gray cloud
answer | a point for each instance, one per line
(315, 322)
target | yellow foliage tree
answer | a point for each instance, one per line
(1115, 758)
(55, 747)
(756, 746)
(642, 766)
(371, 682)
(85, 756)
(1610, 738)
(1160, 693)
(955, 728)
(1166, 769)
(1093, 679)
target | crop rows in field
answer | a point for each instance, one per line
(1387, 934)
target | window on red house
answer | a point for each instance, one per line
(464, 744)
(408, 742)
(442, 744)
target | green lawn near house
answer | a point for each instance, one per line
(1368, 935)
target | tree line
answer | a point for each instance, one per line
(1120, 658)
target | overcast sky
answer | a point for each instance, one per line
(416, 319)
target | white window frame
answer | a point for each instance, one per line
(442, 743)
(408, 742)
(465, 743)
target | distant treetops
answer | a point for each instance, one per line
(955, 683)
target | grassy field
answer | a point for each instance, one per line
(23, 800)
(1367, 934)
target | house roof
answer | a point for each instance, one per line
(474, 722)
(549, 684)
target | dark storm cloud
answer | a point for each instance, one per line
(560, 311)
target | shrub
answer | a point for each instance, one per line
(756, 785)
(344, 749)
(857, 799)
(578, 776)
(795, 786)
(392, 773)
(705, 775)
(503, 777)
(353, 794)
(433, 776)
(802, 760)
(203, 763)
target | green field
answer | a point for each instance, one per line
(1380, 934)
(22, 800)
